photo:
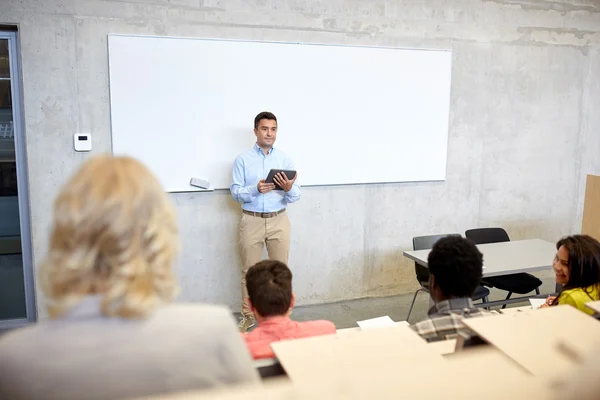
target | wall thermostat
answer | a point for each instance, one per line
(83, 141)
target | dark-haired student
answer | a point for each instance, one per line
(577, 269)
(271, 300)
(455, 267)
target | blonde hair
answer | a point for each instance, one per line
(114, 231)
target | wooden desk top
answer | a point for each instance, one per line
(545, 342)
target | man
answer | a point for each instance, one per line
(264, 220)
(455, 267)
(271, 300)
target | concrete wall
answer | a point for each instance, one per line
(525, 113)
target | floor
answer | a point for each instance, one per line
(345, 314)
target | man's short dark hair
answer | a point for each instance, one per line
(269, 285)
(264, 115)
(457, 265)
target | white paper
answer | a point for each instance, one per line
(380, 322)
(536, 303)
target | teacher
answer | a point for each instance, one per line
(264, 219)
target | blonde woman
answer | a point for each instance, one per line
(108, 282)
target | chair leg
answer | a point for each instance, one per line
(507, 297)
(537, 290)
(485, 300)
(413, 303)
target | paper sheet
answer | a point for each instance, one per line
(536, 303)
(380, 322)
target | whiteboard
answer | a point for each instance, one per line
(346, 115)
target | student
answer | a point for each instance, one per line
(271, 300)
(577, 269)
(107, 280)
(455, 268)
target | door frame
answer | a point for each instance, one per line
(22, 181)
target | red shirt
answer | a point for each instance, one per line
(275, 329)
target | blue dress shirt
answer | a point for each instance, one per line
(254, 165)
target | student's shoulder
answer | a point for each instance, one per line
(320, 325)
(427, 330)
(424, 326)
(571, 297)
(25, 334)
(21, 345)
(570, 293)
(588, 292)
(254, 335)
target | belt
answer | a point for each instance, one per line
(264, 215)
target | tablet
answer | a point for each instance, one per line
(289, 173)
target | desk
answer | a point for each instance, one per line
(391, 363)
(594, 305)
(484, 358)
(492, 382)
(316, 358)
(506, 258)
(514, 310)
(443, 347)
(547, 342)
(346, 331)
(466, 374)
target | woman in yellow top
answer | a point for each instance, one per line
(577, 269)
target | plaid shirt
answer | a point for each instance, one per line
(445, 319)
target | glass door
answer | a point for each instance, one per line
(17, 298)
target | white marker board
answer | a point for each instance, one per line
(347, 115)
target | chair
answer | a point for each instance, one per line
(427, 242)
(521, 283)
(466, 340)
(269, 368)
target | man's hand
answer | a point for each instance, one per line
(282, 180)
(265, 187)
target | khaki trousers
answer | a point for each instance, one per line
(254, 233)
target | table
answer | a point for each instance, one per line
(443, 347)
(309, 359)
(395, 362)
(594, 305)
(506, 258)
(346, 331)
(514, 310)
(495, 379)
(547, 342)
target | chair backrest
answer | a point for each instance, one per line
(424, 243)
(269, 368)
(487, 235)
